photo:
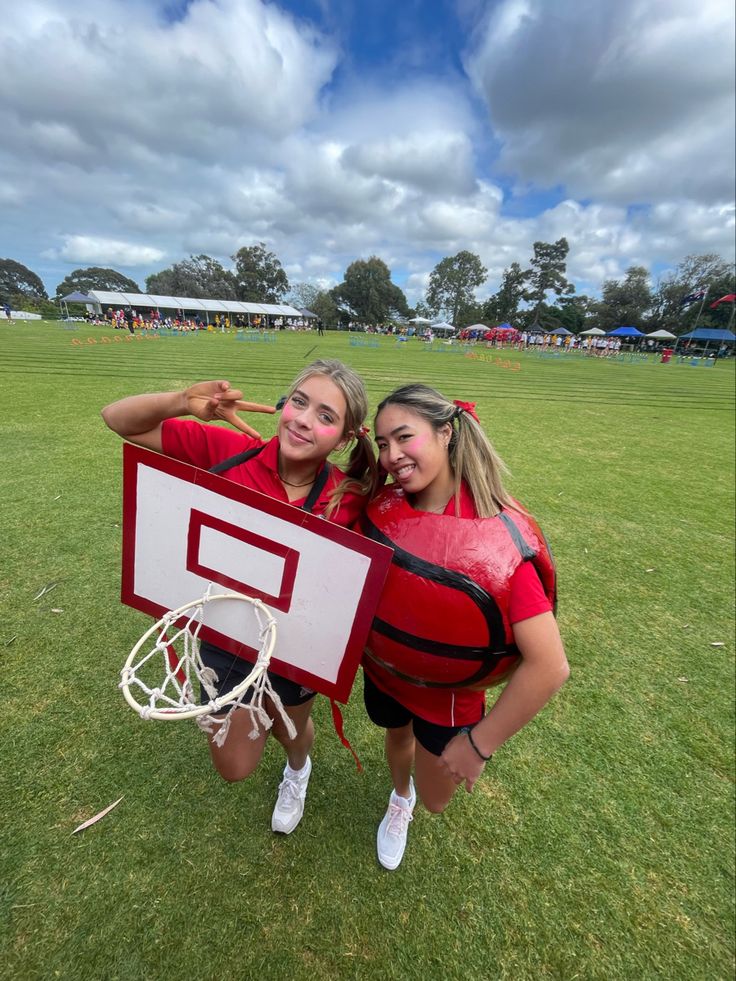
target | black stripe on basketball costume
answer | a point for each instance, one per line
(453, 580)
(436, 647)
(525, 549)
(481, 673)
(528, 553)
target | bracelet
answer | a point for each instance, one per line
(469, 733)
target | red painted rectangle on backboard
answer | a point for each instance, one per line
(280, 600)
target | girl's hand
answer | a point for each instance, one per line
(461, 762)
(216, 400)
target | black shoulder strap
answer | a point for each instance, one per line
(317, 487)
(233, 461)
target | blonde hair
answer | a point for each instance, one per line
(472, 456)
(361, 471)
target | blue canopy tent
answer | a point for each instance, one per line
(625, 332)
(708, 334)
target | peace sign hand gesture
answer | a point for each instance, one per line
(216, 400)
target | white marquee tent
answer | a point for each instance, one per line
(152, 301)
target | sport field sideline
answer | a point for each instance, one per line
(600, 841)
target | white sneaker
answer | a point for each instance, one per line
(290, 802)
(394, 828)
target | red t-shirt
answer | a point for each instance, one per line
(205, 445)
(460, 706)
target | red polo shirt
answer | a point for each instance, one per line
(204, 445)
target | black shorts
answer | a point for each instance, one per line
(386, 712)
(232, 670)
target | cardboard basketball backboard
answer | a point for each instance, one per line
(185, 528)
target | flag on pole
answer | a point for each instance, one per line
(692, 297)
(728, 298)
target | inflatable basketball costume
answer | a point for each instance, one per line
(442, 621)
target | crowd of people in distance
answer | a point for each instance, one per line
(513, 339)
(599, 346)
(128, 318)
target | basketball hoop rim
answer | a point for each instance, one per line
(222, 701)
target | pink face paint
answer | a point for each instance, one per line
(326, 432)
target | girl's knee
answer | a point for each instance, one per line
(237, 760)
(232, 776)
(234, 771)
(434, 806)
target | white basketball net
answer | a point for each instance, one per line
(158, 678)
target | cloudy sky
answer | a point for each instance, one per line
(136, 132)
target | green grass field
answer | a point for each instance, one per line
(599, 843)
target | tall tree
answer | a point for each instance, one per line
(469, 313)
(708, 271)
(96, 278)
(326, 309)
(199, 276)
(547, 274)
(368, 292)
(303, 295)
(503, 306)
(625, 302)
(573, 312)
(19, 282)
(453, 282)
(259, 275)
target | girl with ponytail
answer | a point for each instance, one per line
(323, 413)
(468, 602)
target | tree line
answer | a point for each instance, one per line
(539, 294)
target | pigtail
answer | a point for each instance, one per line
(361, 473)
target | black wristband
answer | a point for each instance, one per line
(469, 733)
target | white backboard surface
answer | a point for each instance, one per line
(184, 528)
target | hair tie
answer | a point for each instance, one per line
(468, 407)
(282, 402)
(363, 432)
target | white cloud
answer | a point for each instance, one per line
(432, 160)
(231, 69)
(629, 101)
(143, 140)
(106, 252)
